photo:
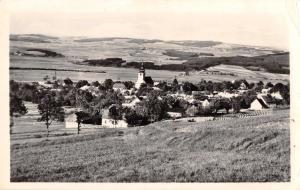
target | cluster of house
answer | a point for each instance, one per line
(264, 100)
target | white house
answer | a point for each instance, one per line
(258, 104)
(205, 103)
(227, 94)
(70, 121)
(175, 114)
(132, 103)
(277, 95)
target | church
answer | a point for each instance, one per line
(142, 78)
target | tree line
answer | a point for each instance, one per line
(51, 100)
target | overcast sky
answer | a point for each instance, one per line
(253, 22)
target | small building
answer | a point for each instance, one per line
(205, 103)
(258, 104)
(119, 86)
(277, 95)
(244, 85)
(132, 103)
(71, 121)
(227, 94)
(174, 115)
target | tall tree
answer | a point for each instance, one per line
(81, 83)
(108, 83)
(50, 110)
(153, 108)
(175, 82)
(16, 105)
(80, 117)
(68, 82)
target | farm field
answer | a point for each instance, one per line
(79, 48)
(129, 74)
(252, 149)
(239, 73)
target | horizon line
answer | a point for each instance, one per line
(145, 38)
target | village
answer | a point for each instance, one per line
(127, 104)
(162, 93)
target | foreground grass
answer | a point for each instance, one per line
(236, 150)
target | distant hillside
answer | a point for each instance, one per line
(36, 52)
(129, 40)
(274, 63)
(195, 43)
(34, 38)
(143, 41)
(184, 55)
(158, 54)
(98, 39)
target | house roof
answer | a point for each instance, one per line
(267, 99)
(105, 113)
(262, 103)
(119, 86)
(245, 82)
(148, 80)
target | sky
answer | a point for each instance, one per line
(251, 22)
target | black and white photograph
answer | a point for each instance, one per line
(162, 91)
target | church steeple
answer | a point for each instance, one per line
(142, 69)
(141, 73)
(141, 76)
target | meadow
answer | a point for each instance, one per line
(252, 149)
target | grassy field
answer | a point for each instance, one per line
(252, 149)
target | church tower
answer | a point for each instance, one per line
(141, 74)
(141, 77)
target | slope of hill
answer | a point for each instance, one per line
(34, 38)
(254, 149)
(274, 63)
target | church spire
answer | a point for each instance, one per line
(142, 67)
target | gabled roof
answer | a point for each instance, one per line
(148, 80)
(267, 99)
(245, 82)
(262, 103)
(105, 113)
